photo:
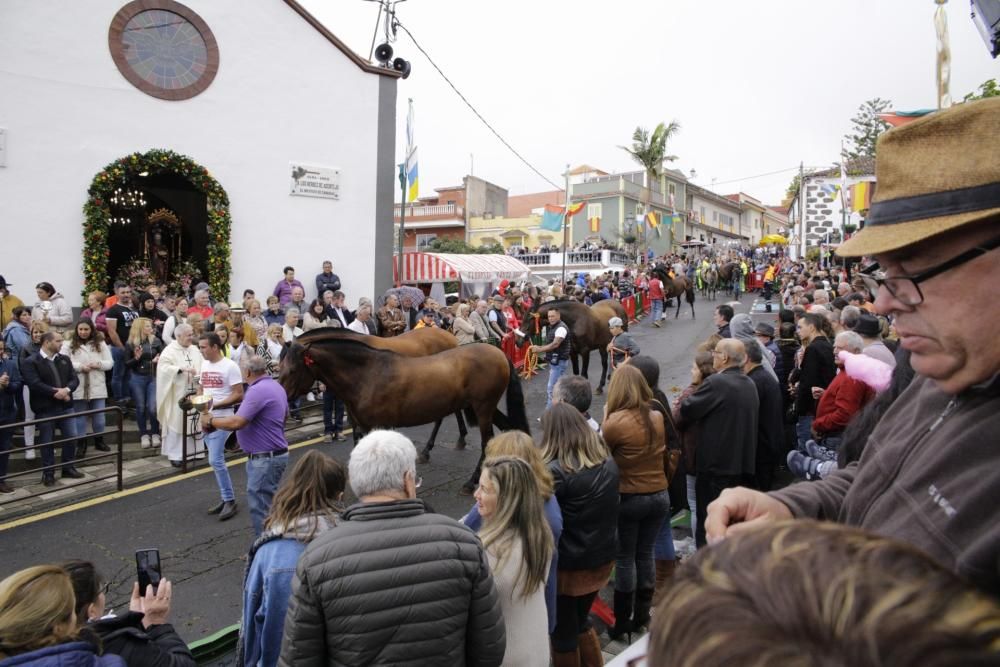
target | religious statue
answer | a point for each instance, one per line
(163, 243)
(159, 257)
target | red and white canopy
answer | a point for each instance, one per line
(427, 267)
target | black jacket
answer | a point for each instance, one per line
(158, 646)
(589, 503)
(725, 405)
(817, 370)
(43, 380)
(392, 584)
(724, 331)
(8, 400)
(770, 422)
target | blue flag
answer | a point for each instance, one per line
(552, 221)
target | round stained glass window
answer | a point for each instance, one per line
(163, 48)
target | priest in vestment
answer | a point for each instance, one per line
(179, 363)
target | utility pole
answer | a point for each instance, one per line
(802, 212)
(565, 247)
(402, 221)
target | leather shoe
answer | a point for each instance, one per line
(49, 480)
(215, 509)
(229, 510)
(72, 473)
(5, 488)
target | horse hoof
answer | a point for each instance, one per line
(599, 390)
(460, 444)
(424, 457)
(467, 489)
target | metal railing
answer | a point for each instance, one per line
(434, 209)
(55, 467)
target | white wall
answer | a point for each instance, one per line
(282, 93)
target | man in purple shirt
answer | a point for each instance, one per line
(260, 429)
(283, 290)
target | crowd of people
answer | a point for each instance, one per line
(878, 386)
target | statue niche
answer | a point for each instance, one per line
(162, 247)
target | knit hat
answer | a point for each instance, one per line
(615, 322)
(934, 175)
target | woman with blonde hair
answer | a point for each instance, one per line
(518, 545)
(586, 487)
(520, 445)
(255, 319)
(38, 622)
(142, 352)
(635, 435)
(306, 505)
(462, 327)
(37, 329)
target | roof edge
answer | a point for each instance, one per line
(333, 39)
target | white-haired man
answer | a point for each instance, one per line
(392, 583)
(179, 363)
(930, 471)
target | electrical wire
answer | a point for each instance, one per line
(747, 178)
(476, 112)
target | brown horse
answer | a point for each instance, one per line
(675, 288)
(414, 343)
(588, 327)
(384, 389)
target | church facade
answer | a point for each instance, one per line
(215, 136)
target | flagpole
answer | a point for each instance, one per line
(402, 221)
(565, 231)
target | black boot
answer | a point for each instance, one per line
(100, 445)
(623, 616)
(643, 600)
(81, 447)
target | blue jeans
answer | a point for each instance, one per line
(663, 548)
(333, 413)
(263, 476)
(215, 442)
(67, 428)
(640, 517)
(119, 374)
(657, 309)
(98, 420)
(803, 431)
(143, 389)
(556, 370)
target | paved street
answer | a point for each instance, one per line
(203, 557)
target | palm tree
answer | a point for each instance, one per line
(650, 151)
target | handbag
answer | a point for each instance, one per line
(672, 455)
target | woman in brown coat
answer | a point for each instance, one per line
(635, 436)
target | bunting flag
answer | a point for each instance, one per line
(574, 209)
(412, 177)
(552, 218)
(653, 220)
(861, 196)
(595, 225)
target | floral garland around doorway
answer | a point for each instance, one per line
(97, 214)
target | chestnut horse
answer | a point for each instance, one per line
(383, 389)
(588, 328)
(413, 343)
(675, 287)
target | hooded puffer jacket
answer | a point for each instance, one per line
(391, 585)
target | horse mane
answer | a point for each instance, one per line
(328, 332)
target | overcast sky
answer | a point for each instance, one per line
(756, 86)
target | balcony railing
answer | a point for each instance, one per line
(604, 258)
(416, 211)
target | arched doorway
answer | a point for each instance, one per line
(157, 214)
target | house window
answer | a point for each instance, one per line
(424, 241)
(671, 189)
(703, 216)
(594, 210)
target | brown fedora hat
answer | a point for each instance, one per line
(934, 174)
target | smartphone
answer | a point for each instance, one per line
(148, 569)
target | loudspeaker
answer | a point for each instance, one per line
(383, 53)
(402, 66)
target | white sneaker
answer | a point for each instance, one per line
(145, 442)
(30, 455)
(310, 397)
(156, 440)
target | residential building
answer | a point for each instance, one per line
(751, 217)
(825, 210)
(713, 219)
(445, 214)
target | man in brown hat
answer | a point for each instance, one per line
(930, 472)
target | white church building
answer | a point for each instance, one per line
(229, 137)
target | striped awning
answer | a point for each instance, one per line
(427, 267)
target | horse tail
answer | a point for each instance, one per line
(517, 416)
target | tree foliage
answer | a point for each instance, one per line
(987, 88)
(650, 150)
(460, 247)
(867, 128)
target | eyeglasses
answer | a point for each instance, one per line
(906, 289)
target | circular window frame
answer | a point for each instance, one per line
(127, 13)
